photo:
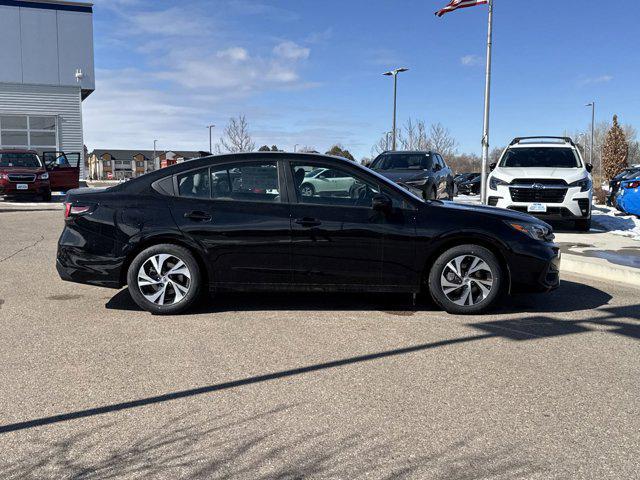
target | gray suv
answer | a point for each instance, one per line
(418, 170)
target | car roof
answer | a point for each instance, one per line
(17, 150)
(542, 145)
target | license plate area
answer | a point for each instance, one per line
(22, 186)
(537, 208)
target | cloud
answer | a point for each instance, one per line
(595, 80)
(291, 50)
(472, 61)
(237, 54)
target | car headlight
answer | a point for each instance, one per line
(495, 182)
(585, 184)
(4, 176)
(537, 232)
(44, 176)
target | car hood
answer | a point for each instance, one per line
(567, 174)
(21, 170)
(403, 175)
(495, 212)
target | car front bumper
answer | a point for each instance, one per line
(575, 206)
(536, 268)
(33, 188)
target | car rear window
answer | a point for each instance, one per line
(403, 161)
(22, 160)
(541, 157)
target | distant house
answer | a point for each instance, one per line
(121, 164)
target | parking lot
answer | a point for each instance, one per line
(322, 386)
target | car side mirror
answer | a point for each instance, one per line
(493, 166)
(589, 167)
(381, 203)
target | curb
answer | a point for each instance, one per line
(601, 269)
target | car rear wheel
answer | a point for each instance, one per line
(307, 190)
(164, 279)
(466, 279)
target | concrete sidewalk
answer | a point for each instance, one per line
(601, 255)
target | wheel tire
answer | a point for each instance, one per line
(583, 225)
(46, 197)
(309, 188)
(488, 300)
(194, 284)
(430, 193)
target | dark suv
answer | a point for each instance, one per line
(244, 222)
(423, 171)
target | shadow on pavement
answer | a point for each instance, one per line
(569, 297)
(257, 447)
(525, 329)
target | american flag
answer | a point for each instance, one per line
(456, 4)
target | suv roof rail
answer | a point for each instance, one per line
(564, 139)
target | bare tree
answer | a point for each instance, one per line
(441, 141)
(236, 137)
(413, 136)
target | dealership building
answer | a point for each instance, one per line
(46, 71)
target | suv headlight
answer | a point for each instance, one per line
(585, 184)
(495, 182)
(4, 176)
(537, 232)
(44, 176)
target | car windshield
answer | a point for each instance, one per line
(23, 160)
(541, 157)
(402, 161)
(313, 173)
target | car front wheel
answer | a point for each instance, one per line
(466, 279)
(583, 225)
(164, 279)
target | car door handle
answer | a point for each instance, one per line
(198, 216)
(308, 222)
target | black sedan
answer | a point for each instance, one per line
(242, 222)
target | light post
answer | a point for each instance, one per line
(295, 148)
(394, 73)
(154, 154)
(210, 127)
(593, 122)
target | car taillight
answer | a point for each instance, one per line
(72, 210)
(634, 184)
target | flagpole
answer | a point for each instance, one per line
(487, 105)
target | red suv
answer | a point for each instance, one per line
(23, 172)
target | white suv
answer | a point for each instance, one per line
(545, 177)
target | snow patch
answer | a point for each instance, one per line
(615, 222)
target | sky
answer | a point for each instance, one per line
(309, 72)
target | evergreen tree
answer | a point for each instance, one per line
(615, 151)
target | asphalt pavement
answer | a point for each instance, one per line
(309, 386)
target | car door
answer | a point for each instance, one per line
(63, 169)
(236, 212)
(338, 240)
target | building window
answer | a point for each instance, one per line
(33, 132)
(140, 164)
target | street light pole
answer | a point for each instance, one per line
(395, 73)
(210, 127)
(593, 121)
(154, 154)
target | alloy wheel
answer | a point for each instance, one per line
(466, 280)
(164, 279)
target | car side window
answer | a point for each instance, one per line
(252, 182)
(342, 189)
(194, 184)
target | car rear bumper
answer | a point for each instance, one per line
(77, 261)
